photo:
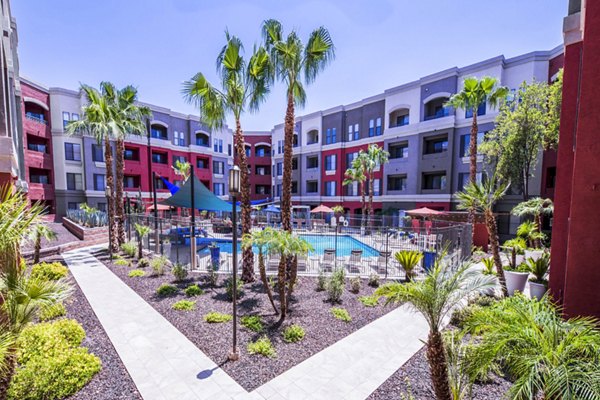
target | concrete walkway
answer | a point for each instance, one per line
(164, 364)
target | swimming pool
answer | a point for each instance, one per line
(345, 245)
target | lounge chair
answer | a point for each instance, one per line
(302, 263)
(383, 264)
(355, 262)
(327, 263)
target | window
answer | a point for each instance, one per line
(463, 179)
(434, 181)
(352, 189)
(159, 184)
(99, 182)
(377, 187)
(39, 176)
(398, 150)
(159, 158)
(313, 137)
(349, 158)
(331, 162)
(202, 139)
(218, 167)
(435, 145)
(248, 151)
(312, 186)
(74, 117)
(178, 139)
(131, 182)
(219, 189)
(550, 177)
(294, 187)
(295, 140)
(36, 144)
(353, 132)
(74, 181)
(181, 159)
(371, 127)
(465, 141)
(97, 153)
(396, 182)
(330, 136)
(66, 118)
(330, 188)
(378, 127)
(159, 132)
(312, 162)
(73, 205)
(218, 145)
(279, 169)
(480, 111)
(202, 163)
(279, 190)
(229, 150)
(435, 109)
(262, 170)
(402, 120)
(294, 164)
(72, 151)
(261, 151)
(131, 154)
(263, 189)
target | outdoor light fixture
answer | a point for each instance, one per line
(234, 180)
(108, 194)
(234, 190)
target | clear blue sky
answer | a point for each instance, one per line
(157, 44)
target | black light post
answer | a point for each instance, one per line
(156, 244)
(234, 190)
(128, 208)
(193, 221)
(110, 250)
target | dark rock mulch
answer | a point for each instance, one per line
(113, 381)
(63, 236)
(414, 378)
(309, 309)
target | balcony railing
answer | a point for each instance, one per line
(36, 118)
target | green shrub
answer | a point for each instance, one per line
(136, 273)
(229, 288)
(184, 305)
(374, 280)
(488, 266)
(369, 301)
(121, 262)
(341, 314)
(321, 281)
(483, 301)
(193, 290)
(179, 272)
(129, 248)
(335, 285)
(159, 265)
(143, 263)
(47, 338)
(355, 284)
(216, 317)
(461, 315)
(165, 290)
(49, 271)
(262, 346)
(252, 322)
(293, 333)
(53, 311)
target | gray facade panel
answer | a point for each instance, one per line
(408, 166)
(331, 121)
(435, 163)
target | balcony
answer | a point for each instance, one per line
(436, 108)
(39, 118)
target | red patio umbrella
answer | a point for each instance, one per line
(424, 212)
(321, 209)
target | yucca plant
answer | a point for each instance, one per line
(142, 231)
(39, 232)
(539, 268)
(549, 357)
(409, 259)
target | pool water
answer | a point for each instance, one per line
(345, 245)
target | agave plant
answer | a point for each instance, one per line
(539, 267)
(409, 259)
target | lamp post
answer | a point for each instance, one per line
(234, 190)
(108, 193)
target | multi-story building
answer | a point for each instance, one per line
(258, 156)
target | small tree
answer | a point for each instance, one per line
(263, 241)
(356, 173)
(372, 159)
(39, 232)
(142, 231)
(535, 207)
(435, 297)
(408, 259)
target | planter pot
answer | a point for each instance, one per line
(215, 257)
(167, 249)
(515, 281)
(535, 254)
(428, 259)
(537, 290)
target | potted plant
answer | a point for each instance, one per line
(538, 284)
(215, 255)
(166, 243)
(533, 238)
(516, 278)
(516, 248)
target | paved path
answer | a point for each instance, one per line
(164, 364)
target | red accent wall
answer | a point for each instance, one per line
(254, 160)
(575, 251)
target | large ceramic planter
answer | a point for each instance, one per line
(535, 254)
(428, 260)
(515, 281)
(537, 290)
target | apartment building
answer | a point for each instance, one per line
(258, 155)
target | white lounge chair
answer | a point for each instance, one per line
(327, 263)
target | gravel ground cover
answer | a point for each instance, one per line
(309, 309)
(63, 237)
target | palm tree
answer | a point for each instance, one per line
(476, 92)
(182, 169)
(372, 159)
(142, 231)
(408, 259)
(549, 357)
(537, 207)
(442, 290)
(243, 85)
(356, 173)
(39, 232)
(530, 232)
(482, 197)
(262, 240)
(295, 64)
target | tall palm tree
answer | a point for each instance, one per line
(356, 173)
(243, 85)
(39, 232)
(482, 197)
(442, 290)
(262, 240)
(474, 93)
(295, 64)
(372, 160)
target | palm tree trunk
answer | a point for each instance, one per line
(292, 278)
(438, 366)
(538, 220)
(248, 255)
(286, 195)
(140, 246)
(281, 286)
(265, 281)
(120, 212)
(36, 249)
(370, 209)
(11, 363)
(492, 229)
(473, 169)
(363, 205)
(110, 205)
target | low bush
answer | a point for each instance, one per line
(374, 280)
(369, 301)
(129, 248)
(335, 285)
(252, 322)
(341, 314)
(483, 301)
(136, 273)
(262, 346)
(321, 281)
(122, 262)
(159, 265)
(47, 338)
(193, 290)
(355, 284)
(293, 333)
(52, 312)
(461, 315)
(143, 263)
(179, 272)
(217, 317)
(165, 290)
(184, 305)
(229, 288)
(49, 271)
